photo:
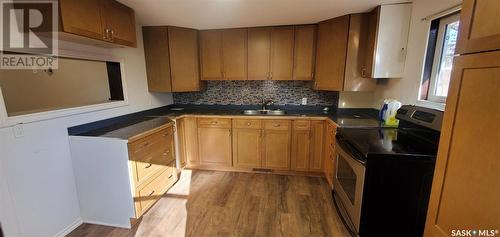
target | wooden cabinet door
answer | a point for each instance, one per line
(234, 54)
(247, 148)
(214, 146)
(211, 54)
(356, 75)
(120, 20)
(191, 140)
(304, 52)
(259, 53)
(82, 18)
(331, 54)
(300, 148)
(478, 30)
(157, 58)
(183, 48)
(317, 146)
(181, 142)
(282, 53)
(277, 145)
(466, 185)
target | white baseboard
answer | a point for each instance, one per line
(108, 224)
(69, 228)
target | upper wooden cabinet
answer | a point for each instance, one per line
(341, 54)
(119, 21)
(171, 55)
(478, 31)
(270, 53)
(234, 54)
(82, 18)
(331, 54)
(355, 77)
(259, 51)
(282, 45)
(304, 52)
(224, 54)
(211, 54)
(388, 39)
(157, 58)
(107, 20)
(184, 62)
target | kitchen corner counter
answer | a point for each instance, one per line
(131, 126)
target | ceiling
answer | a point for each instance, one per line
(217, 14)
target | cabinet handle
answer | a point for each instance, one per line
(151, 193)
(312, 75)
(105, 35)
(214, 122)
(363, 72)
(166, 152)
(248, 123)
(112, 35)
(261, 133)
(170, 176)
(276, 125)
(147, 166)
(271, 75)
(145, 144)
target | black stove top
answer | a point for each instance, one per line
(414, 137)
(387, 141)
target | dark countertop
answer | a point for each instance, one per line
(127, 126)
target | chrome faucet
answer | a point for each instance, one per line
(265, 103)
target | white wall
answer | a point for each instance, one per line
(406, 89)
(37, 188)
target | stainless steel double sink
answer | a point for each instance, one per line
(264, 112)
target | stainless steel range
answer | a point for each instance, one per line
(384, 175)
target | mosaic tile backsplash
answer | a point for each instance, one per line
(252, 92)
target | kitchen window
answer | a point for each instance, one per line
(439, 58)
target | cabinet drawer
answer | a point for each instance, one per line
(301, 125)
(150, 144)
(247, 123)
(277, 124)
(214, 123)
(153, 191)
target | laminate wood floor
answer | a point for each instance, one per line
(212, 203)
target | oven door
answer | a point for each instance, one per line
(348, 187)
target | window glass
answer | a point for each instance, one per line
(446, 63)
(438, 64)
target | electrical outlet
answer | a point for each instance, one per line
(304, 101)
(18, 131)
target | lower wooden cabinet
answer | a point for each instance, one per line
(152, 161)
(329, 153)
(316, 155)
(247, 143)
(301, 140)
(152, 191)
(214, 141)
(308, 138)
(276, 149)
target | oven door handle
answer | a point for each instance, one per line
(349, 151)
(342, 218)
